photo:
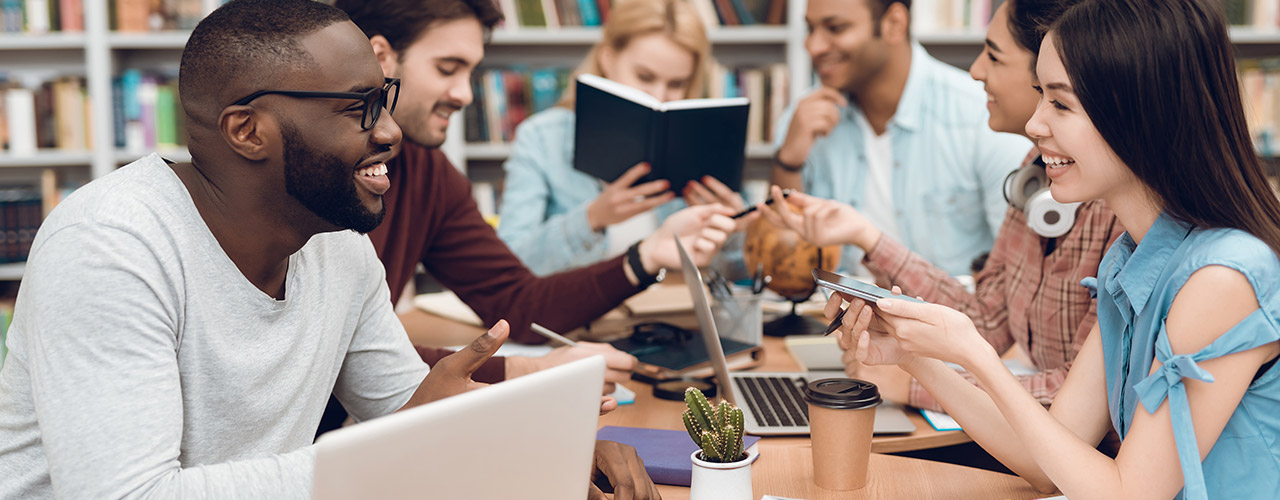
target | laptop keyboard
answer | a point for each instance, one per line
(775, 401)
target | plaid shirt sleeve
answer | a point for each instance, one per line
(890, 262)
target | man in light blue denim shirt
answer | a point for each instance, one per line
(897, 134)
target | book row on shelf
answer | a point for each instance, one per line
(504, 97)
(1260, 84)
(569, 13)
(55, 115)
(155, 15)
(44, 16)
(41, 16)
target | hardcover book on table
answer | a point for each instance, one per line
(618, 126)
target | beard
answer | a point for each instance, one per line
(325, 185)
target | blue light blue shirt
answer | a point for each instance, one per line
(1135, 288)
(948, 165)
(543, 214)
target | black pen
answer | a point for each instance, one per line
(835, 323)
(786, 193)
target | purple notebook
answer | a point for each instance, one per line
(665, 453)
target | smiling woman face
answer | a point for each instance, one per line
(1004, 68)
(1080, 163)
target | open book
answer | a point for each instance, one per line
(619, 126)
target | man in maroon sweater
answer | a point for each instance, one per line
(431, 218)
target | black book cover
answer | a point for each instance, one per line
(618, 127)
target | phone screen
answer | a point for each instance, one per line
(855, 287)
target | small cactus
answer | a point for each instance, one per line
(716, 429)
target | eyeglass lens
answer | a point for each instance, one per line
(384, 97)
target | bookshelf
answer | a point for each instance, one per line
(98, 55)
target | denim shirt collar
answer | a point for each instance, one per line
(1139, 266)
(911, 106)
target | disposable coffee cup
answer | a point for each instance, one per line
(842, 415)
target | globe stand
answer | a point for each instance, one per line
(794, 324)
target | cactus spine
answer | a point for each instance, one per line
(716, 429)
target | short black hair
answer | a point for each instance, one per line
(1029, 20)
(402, 22)
(244, 40)
(878, 7)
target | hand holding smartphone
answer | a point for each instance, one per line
(854, 287)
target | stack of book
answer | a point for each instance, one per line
(1260, 85)
(147, 113)
(566, 13)
(41, 16)
(52, 115)
(155, 15)
(504, 97)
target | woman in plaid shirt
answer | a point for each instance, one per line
(1028, 293)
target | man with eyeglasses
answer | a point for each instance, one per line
(180, 327)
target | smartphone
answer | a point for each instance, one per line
(855, 287)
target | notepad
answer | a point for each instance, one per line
(665, 453)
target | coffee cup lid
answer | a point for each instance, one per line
(842, 393)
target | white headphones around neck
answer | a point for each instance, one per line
(1027, 189)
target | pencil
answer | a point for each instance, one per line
(785, 194)
(835, 323)
(542, 330)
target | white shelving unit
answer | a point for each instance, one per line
(99, 55)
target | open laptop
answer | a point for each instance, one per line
(531, 438)
(772, 403)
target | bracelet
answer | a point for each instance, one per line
(785, 166)
(637, 268)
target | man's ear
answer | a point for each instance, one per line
(247, 131)
(895, 24)
(388, 58)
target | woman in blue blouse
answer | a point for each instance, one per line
(555, 217)
(1140, 108)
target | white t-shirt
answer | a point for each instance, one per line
(143, 363)
(878, 204)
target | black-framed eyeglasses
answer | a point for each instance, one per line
(374, 99)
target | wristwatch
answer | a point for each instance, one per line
(637, 268)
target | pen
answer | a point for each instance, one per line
(786, 193)
(835, 323)
(542, 330)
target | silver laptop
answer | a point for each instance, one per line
(531, 437)
(772, 403)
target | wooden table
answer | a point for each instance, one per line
(785, 464)
(787, 471)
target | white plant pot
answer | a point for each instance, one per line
(716, 481)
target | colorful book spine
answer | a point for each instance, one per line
(590, 12)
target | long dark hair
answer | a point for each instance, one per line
(1029, 20)
(1158, 80)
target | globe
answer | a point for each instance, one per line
(788, 259)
